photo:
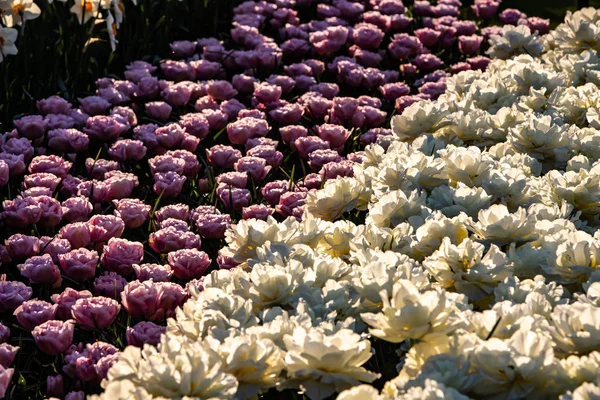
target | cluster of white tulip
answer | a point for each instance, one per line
(478, 255)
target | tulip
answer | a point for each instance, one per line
(4, 333)
(170, 239)
(144, 332)
(7, 354)
(105, 227)
(168, 184)
(120, 254)
(188, 263)
(178, 211)
(233, 198)
(66, 300)
(34, 312)
(156, 272)
(31, 126)
(257, 211)
(53, 105)
(110, 285)
(55, 385)
(95, 312)
(41, 270)
(256, 167)
(213, 226)
(5, 377)
(94, 105)
(54, 337)
(222, 156)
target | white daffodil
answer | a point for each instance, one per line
(8, 36)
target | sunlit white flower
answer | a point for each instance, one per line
(180, 368)
(8, 36)
(321, 365)
(498, 225)
(409, 314)
(466, 269)
(255, 363)
(515, 40)
(576, 328)
(14, 12)
(337, 197)
(85, 9)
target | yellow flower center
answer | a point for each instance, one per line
(114, 29)
(88, 6)
(121, 7)
(18, 8)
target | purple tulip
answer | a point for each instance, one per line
(89, 364)
(318, 158)
(222, 156)
(120, 254)
(7, 354)
(34, 312)
(195, 124)
(168, 184)
(95, 312)
(66, 300)
(54, 337)
(220, 90)
(289, 134)
(127, 150)
(177, 70)
(51, 211)
(273, 157)
(306, 145)
(329, 40)
(233, 198)
(237, 179)
(94, 105)
(54, 246)
(143, 333)
(257, 211)
(170, 136)
(50, 164)
(4, 173)
(191, 166)
(469, 44)
(182, 48)
(156, 272)
(21, 247)
(256, 167)
(367, 36)
(170, 239)
(291, 204)
(213, 226)
(188, 263)
(80, 264)
(485, 9)
(105, 128)
(77, 233)
(31, 126)
(4, 333)
(105, 227)
(55, 385)
(245, 128)
(178, 94)
(178, 211)
(41, 270)
(159, 110)
(133, 212)
(53, 105)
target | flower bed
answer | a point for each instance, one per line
(228, 194)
